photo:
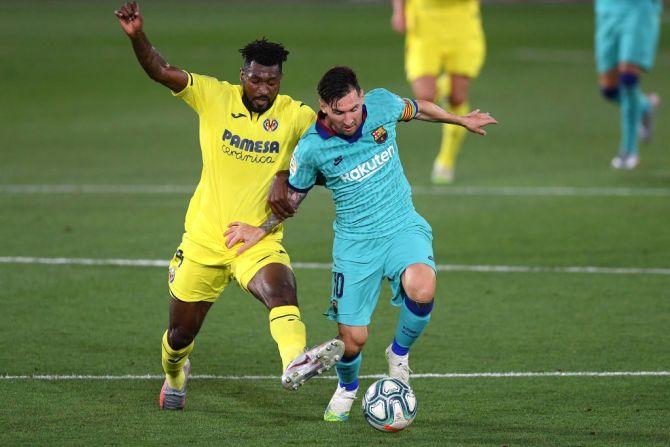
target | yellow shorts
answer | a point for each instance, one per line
(198, 273)
(457, 47)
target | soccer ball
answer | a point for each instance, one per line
(389, 405)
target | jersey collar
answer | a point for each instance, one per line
(326, 132)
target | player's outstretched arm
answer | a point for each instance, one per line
(473, 121)
(249, 235)
(398, 21)
(149, 58)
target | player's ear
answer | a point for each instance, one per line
(322, 105)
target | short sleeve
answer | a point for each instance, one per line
(198, 91)
(395, 108)
(302, 170)
(305, 117)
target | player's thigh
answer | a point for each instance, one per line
(466, 56)
(268, 251)
(639, 39)
(413, 245)
(190, 281)
(422, 58)
(356, 281)
(607, 40)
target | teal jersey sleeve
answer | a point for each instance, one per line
(391, 105)
(303, 171)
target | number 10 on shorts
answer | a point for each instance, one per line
(338, 285)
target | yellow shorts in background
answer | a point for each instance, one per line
(456, 46)
(198, 273)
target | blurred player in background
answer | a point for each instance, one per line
(626, 39)
(247, 134)
(444, 50)
(378, 233)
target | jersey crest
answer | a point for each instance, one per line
(270, 124)
(380, 135)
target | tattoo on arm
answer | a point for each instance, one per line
(295, 198)
(156, 66)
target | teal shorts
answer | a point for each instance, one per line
(629, 36)
(360, 267)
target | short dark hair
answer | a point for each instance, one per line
(337, 83)
(264, 52)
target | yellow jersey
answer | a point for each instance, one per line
(241, 153)
(434, 17)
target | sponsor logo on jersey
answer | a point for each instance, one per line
(380, 135)
(270, 124)
(259, 146)
(370, 167)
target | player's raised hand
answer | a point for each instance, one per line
(247, 234)
(278, 199)
(130, 18)
(474, 121)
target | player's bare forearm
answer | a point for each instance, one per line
(295, 198)
(249, 235)
(156, 66)
(428, 111)
(132, 23)
(473, 121)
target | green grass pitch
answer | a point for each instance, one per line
(76, 109)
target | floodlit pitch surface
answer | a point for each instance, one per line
(78, 110)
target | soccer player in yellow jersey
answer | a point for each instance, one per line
(247, 135)
(444, 50)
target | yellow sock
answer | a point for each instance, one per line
(173, 362)
(452, 138)
(289, 332)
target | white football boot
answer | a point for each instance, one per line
(631, 162)
(311, 363)
(172, 398)
(441, 175)
(618, 162)
(398, 365)
(340, 405)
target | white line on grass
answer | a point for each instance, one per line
(512, 191)
(480, 375)
(327, 266)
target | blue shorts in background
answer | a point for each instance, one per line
(360, 266)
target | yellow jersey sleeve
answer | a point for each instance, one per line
(305, 117)
(200, 90)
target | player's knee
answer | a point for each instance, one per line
(179, 338)
(610, 93)
(629, 79)
(421, 293)
(282, 294)
(419, 283)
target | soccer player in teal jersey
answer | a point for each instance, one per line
(626, 38)
(378, 233)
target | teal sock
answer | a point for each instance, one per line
(413, 319)
(633, 105)
(347, 371)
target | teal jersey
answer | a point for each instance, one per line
(371, 193)
(604, 6)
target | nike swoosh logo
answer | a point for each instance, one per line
(238, 115)
(337, 161)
